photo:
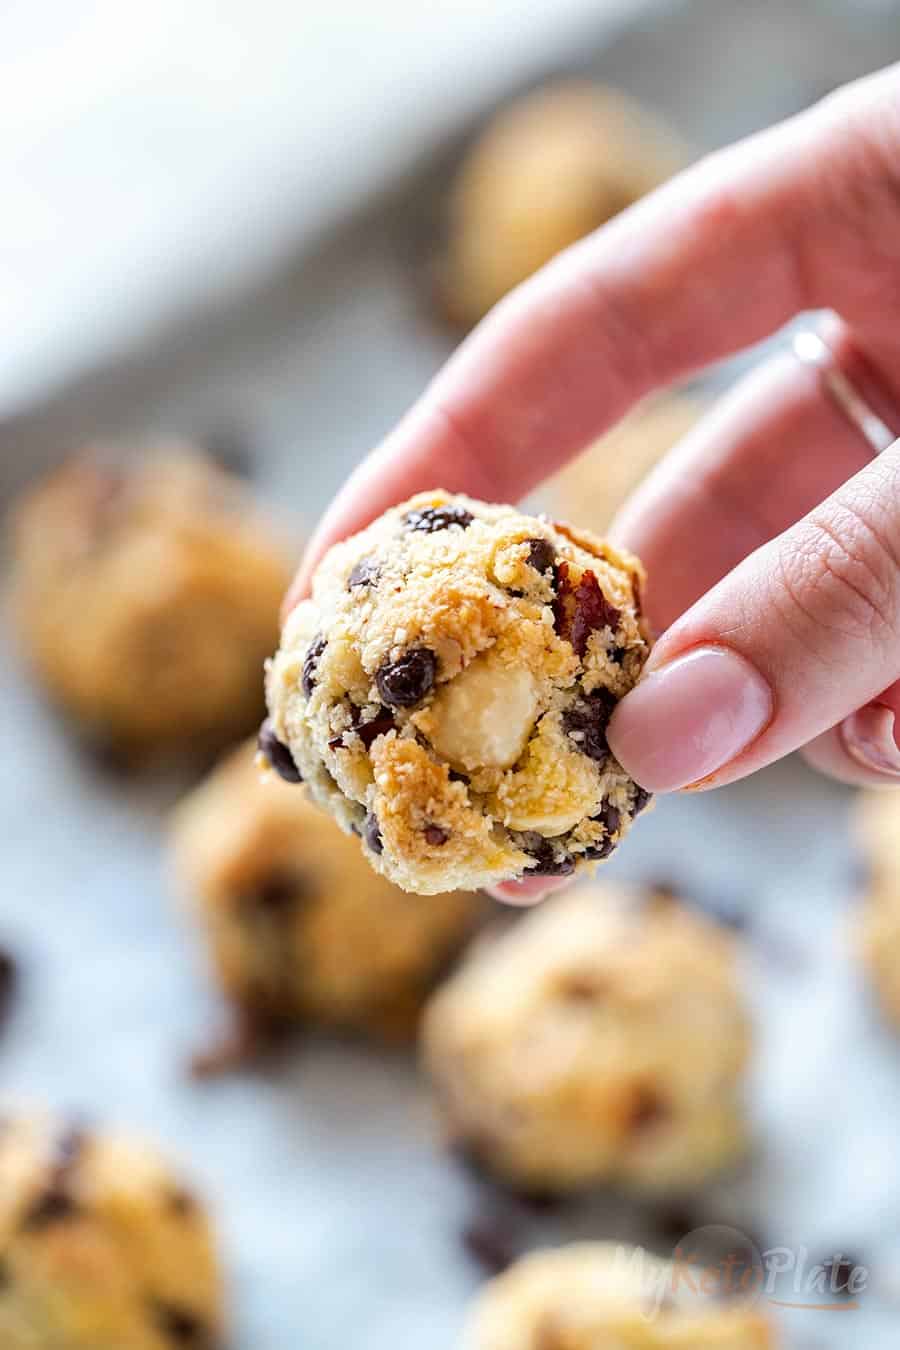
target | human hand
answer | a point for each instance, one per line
(772, 535)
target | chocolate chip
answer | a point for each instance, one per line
(404, 683)
(277, 753)
(585, 722)
(492, 1242)
(278, 892)
(9, 979)
(617, 655)
(365, 573)
(54, 1205)
(372, 833)
(456, 777)
(642, 798)
(180, 1202)
(179, 1324)
(581, 609)
(541, 554)
(377, 726)
(582, 986)
(435, 835)
(647, 1109)
(547, 863)
(310, 664)
(430, 519)
(597, 852)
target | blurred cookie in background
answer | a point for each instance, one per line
(590, 1295)
(101, 1245)
(147, 591)
(550, 168)
(592, 487)
(603, 1039)
(878, 830)
(299, 926)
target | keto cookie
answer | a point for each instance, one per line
(602, 1039)
(878, 823)
(101, 1246)
(549, 169)
(601, 1296)
(446, 690)
(299, 927)
(147, 592)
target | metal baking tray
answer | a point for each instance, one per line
(341, 1217)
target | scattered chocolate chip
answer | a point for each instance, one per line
(617, 655)
(582, 986)
(435, 835)
(610, 816)
(54, 1205)
(597, 852)
(377, 726)
(278, 892)
(372, 833)
(404, 683)
(547, 863)
(541, 554)
(642, 798)
(365, 573)
(9, 979)
(179, 1324)
(456, 777)
(310, 664)
(586, 722)
(277, 753)
(492, 1241)
(180, 1202)
(647, 1109)
(582, 609)
(430, 519)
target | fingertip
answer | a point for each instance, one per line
(861, 751)
(527, 892)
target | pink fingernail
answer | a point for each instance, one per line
(870, 737)
(690, 718)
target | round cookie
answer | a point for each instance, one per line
(101, 1246)
(298, 924)
(878, 825)
(601, 1039)
(445, 692)
(592, 487)
(550, 168)
(599, 1296)
(147, 591)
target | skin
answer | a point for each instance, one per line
(771, 533)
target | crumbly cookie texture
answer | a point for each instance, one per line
(878, 828)
(601, 1296)
(445, 692)
(101, 1246)
(602, 1039)
(147, 591)
(549, 169)
(592, 487)
(298, 924)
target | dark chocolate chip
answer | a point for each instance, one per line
(54, 1205)
(617, 655)
(647, 1109)
(642, 798)
(277, 753)
(541, 554)
(581, 609)
(597, 852)
(179, 1324)
(310, 664)
(404, 683)
(372, 833)
(547, 864)
(586, 722)
(368, 732)
(456, 777)
(582, 986)
(435, 835)
(365, 573)
(610, 816)
(278, 892)
(180, 1202)
(430, 519)
(492, 1242)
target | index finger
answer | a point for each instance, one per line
(791, 219)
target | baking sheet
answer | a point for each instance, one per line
(341, 1219)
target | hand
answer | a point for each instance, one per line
(771, 536)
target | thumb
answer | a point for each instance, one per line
(801, 634)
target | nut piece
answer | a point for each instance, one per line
(484, 717)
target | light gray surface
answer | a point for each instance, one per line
(340, 1217)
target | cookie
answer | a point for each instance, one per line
(550, 168)
(878, 827)
(446, 690)
(602, 1039)
(147, 593)
(599, 1296)
(101, 1245)
(298, 924)
(592, 487)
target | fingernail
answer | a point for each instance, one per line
(689, 719)
(869, 738)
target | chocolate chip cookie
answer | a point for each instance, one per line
(593, 1295)
(446, 691)
(549, 169)
(101, 1245)
(147, 592)
(602, 1039)
(298, 924)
